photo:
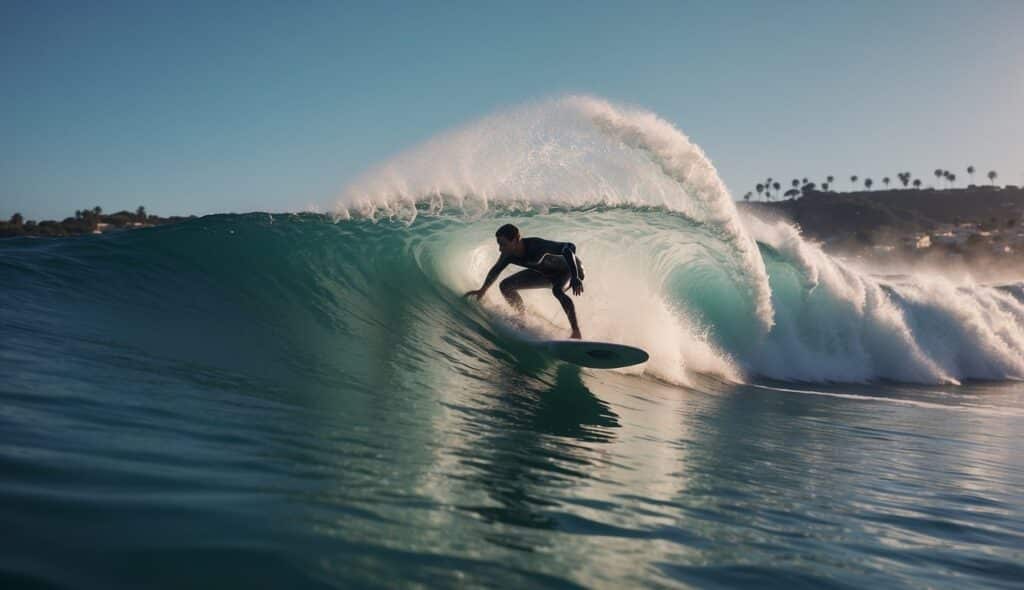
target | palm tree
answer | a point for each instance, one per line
(830, 179)
(824, 186)
(140, 213)
(746, 197)
(853, 181)
(17, 219)
(97, 210)
(885, 181)
(760, 189)
(992, 176)
(970, 172)
(952, 179)
(868, 182)
(795, 183)
(776, 186)
(938, 176)
(917, 183)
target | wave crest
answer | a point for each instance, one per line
(571, 152)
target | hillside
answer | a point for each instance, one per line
(864, 216)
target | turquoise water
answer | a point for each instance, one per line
(283, 401)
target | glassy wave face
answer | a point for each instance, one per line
(295, 398)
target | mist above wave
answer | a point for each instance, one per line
(573, 152)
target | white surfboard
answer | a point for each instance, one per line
(597, 355)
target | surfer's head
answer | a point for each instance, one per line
(508, 239)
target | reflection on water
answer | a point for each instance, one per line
(248, 408)
(482, 462)
(520, 455)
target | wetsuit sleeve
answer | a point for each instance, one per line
(565, 249)
(492, 275)
(569, 252)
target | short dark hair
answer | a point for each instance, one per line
(507, 231)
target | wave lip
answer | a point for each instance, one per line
(570, 152)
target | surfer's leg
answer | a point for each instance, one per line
(524, 279)
(558, 289)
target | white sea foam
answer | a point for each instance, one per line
(569, 152)
(842, 324)
(797, 314)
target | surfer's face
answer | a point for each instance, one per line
(506, 246)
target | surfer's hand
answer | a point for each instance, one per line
(478, 293)
(577, 286)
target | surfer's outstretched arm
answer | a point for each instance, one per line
(492, 275)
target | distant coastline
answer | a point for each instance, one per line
(977, 223)
(85, 221)
(969, 227)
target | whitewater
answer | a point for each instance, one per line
(270, 400)
(705, 288)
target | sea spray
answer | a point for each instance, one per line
(673, 266)
(838, 323)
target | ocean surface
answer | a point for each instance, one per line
(306, 400)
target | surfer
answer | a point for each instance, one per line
(548, 265)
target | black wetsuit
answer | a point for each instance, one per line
(547, 264)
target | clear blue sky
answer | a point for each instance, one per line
(200, 107)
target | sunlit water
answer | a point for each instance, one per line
(229, 403)
(299, 401)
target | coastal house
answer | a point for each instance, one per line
(957, 235)
(918, 241)
(948, 238)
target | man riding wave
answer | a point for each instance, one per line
(548, 265)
